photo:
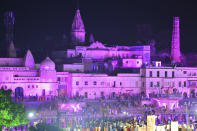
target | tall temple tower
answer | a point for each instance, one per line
(9, 33)
(9, 26)
(175, 43)
(78, 30)
(11, 50)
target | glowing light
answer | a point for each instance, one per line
(78, 106)
(125, 113)
(31, 115)
(74, 108)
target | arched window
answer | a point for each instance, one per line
(3, 87)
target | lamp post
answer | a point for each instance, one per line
(187, 113)
(31, 116)
(58, 117)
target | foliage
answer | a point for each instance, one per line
(11, 114)
(44, 127)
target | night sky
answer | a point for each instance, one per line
(109, 21)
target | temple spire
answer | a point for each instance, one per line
(78, 29)
(11, 50)
(175, 44)
(91, 38)
(29, 60)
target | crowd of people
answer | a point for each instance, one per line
(117, 124)
(122, 113)
(114, 115)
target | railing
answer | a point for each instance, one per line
(26, 78)
(15, 68)
(166, 95)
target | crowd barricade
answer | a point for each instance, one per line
(138, 128)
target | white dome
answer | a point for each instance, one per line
(47, 64)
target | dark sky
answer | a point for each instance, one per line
(110, 21)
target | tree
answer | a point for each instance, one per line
(11, 114)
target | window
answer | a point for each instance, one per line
(102, 83)
(32, 86)
(77, 83)
(120, 83)
(166, 74)
(184, 72)
(172, 74)
(158, 74)
(77, 94)
(86, 83)
(173, 84)
(94, 83)
(86, 95)
(158, 84)
(150, 73)
(136, 83)
(151, 84)
(36, 86)
(143, 84)
(179, 83)
(58, 78)
(114, 85)
(185, 84)
(138, 62)
(102, 94)
(28, 86)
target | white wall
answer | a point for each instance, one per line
(132, 63)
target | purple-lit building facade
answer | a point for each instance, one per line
(99, 70)
(25, 78)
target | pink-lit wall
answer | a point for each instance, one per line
(11, 62)
(181, 80)
(125, 83)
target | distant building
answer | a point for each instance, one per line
(97, 71)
